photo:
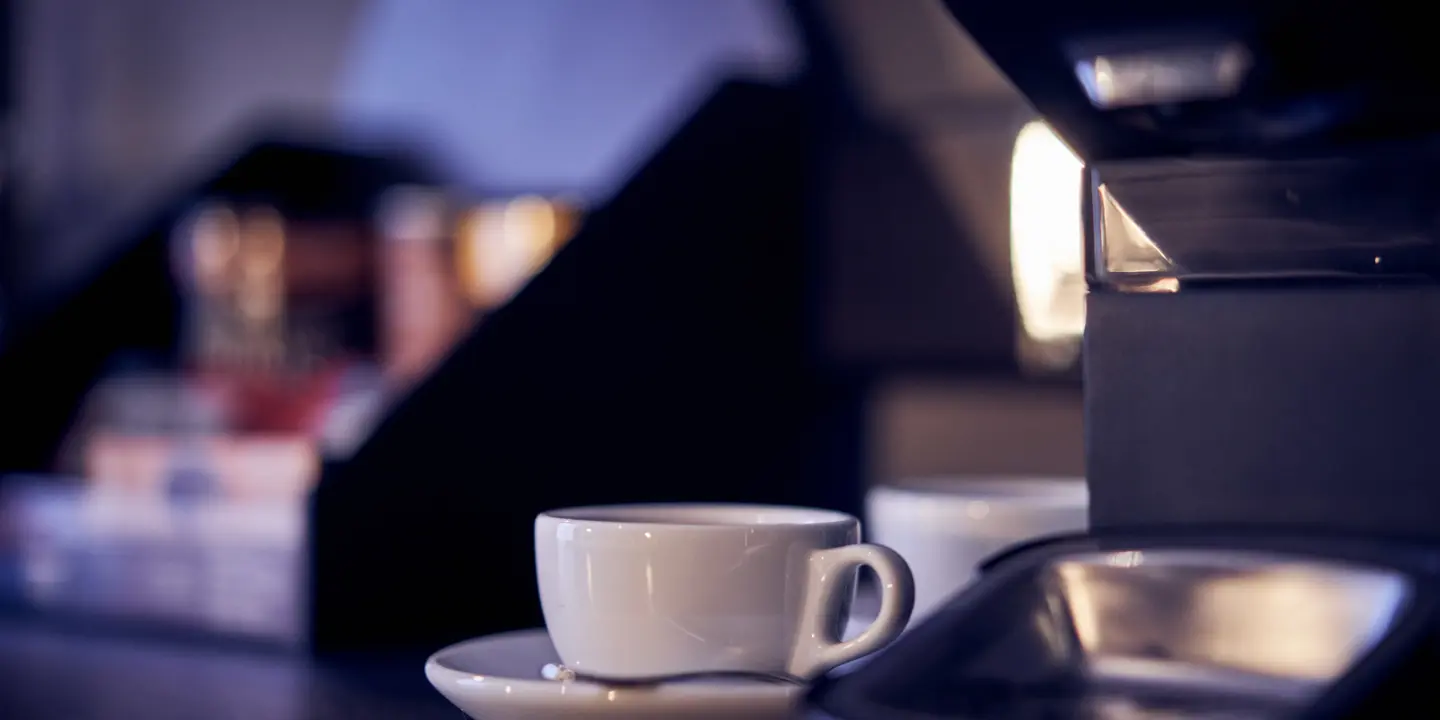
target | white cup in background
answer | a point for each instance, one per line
(945, 527)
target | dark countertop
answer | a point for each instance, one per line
(52, 672)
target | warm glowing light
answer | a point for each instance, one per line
(260, 293)
(262, 242)
(1047, 235)
(529, 226)
(501, 245)
(214, 242)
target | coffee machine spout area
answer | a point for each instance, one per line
(1262, 332)
(1263, 257)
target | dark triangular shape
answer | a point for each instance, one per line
(662, 355)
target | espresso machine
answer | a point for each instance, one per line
(1261, 392)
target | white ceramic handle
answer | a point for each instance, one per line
(818, 650)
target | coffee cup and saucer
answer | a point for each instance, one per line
(683, 612)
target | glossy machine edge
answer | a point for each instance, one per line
(1262, 338)
(1276, 366)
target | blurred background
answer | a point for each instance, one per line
(291, 291)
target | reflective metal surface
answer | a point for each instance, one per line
(1154, 632)
(1218, 621)
(1174, 74)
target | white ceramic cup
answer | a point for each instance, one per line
(635, 592)
(946, 527)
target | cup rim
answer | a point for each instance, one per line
(651, 515)
(983, 505)
(1019, 490)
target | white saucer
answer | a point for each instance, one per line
(498, 678)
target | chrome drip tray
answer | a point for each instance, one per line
(1152, 628)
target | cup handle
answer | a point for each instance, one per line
(818, 651)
